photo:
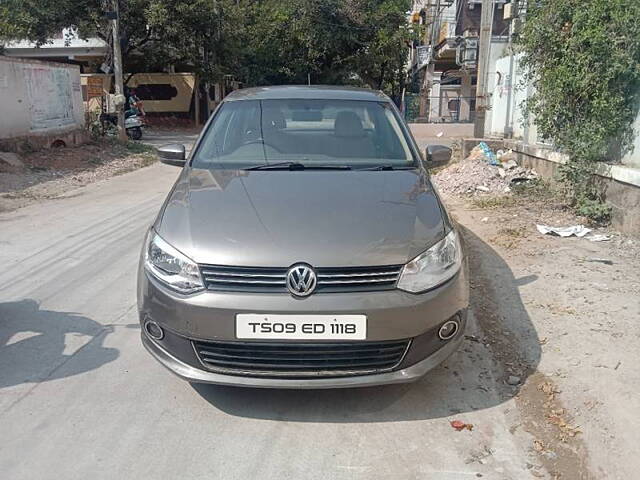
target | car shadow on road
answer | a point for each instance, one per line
(500, 341)
(36, 344)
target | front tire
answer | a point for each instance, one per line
(135, 133)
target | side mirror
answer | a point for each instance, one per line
(437, 156)
(174, 154)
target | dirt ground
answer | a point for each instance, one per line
(50, 173)
(572, 347)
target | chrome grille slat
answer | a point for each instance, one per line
(236, 274)
(230, 280)
(368, 280)
(273, 279)
(300, 359)
(351, 275)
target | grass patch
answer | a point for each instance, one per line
(494, 202)
(509, 237)
(137, 147)
(520, 232)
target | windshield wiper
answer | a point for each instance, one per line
(388, 166)
(297, 166)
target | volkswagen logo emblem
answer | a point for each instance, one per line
(301, 280)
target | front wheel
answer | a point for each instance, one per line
(135, 133)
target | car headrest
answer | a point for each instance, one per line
(348, 124)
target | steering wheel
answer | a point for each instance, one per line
(261, 141)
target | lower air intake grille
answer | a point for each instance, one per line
(300, 359)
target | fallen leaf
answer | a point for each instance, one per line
(459, 425)
(538, 446)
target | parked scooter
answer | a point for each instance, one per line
(133, 115)
(133, 123)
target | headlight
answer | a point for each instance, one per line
(170, 266)
(433, 267)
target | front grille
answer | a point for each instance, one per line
(273, 280)
(301, 359)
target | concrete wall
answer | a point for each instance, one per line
(181, 84)
(620, 184)
(507, 118)
(39, 99)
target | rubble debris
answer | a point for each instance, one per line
(577, 230)
(476, 176)
(508, 165)
(490, 157)
(459, 425)
(524, 176)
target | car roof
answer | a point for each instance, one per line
(307, 92)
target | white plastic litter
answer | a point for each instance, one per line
(577, 230)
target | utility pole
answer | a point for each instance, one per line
(430, 69)
(484, 49)
(117, 71)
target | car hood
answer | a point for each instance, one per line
(323, 218)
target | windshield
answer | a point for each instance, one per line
(358, 134)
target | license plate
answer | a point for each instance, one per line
(301, 327)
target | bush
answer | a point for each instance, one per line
(583, 59)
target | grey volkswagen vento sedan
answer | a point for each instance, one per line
(303, 246)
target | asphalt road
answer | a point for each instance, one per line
(80, 397)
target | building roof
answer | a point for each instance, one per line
(307, 92)
(66, 46)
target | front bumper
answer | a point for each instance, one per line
(198, 375)
(391, 315)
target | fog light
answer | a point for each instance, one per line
(154, 330)
(448, 329)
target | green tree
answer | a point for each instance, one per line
(359, 42)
